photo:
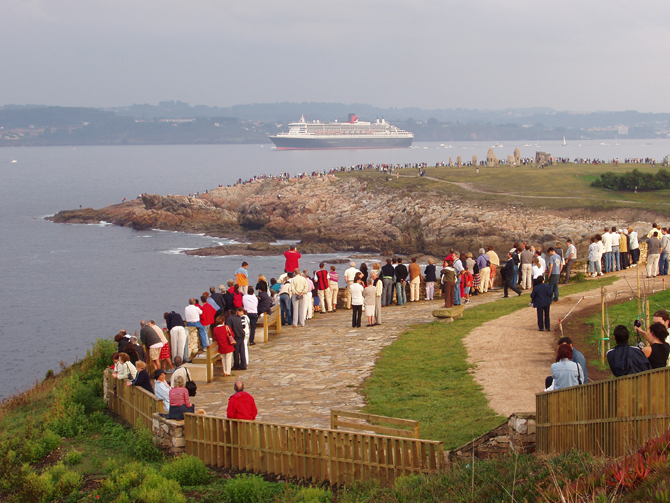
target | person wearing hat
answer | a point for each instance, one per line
(162, 389)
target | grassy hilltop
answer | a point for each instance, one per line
(564, 186)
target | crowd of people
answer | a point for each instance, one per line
(229, 314)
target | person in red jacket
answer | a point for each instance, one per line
(208, 315)
(292, 259)
(241, 405)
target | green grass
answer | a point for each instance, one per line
(424, 375)
(527, 186)
(624, 313)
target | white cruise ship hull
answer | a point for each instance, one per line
(286, 142)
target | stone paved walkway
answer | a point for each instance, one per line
(299, 376)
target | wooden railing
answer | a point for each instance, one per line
(308, 453)
(610, 418)
(337, 415)
(133, 403)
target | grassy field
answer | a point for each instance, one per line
(562, 186)
(424, 375)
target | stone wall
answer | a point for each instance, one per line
(168, 434)
(517, 434)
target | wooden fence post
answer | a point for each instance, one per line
(602, 325)
(646, 306)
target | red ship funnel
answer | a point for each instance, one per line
(352, 118)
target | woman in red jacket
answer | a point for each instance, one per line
(226, 349)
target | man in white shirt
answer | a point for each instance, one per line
(349, 276)
(634, 246)
(607, 255)
(299, 299)
(616, 241)
(192, 316)
(570, 258)
(250, 303)
(665, 251)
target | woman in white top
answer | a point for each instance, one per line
(356, 289)
(537, 269)
(594, 258)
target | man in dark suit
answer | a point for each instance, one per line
(507, 274)
(541, 298)
(235, 324)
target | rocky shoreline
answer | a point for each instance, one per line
(328, 214)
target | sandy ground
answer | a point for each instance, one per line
(512, 357)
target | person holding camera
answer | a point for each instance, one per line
(624, 359)
(658, 350)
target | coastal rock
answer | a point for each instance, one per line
(329, 213)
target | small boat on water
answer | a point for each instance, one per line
(14, 160)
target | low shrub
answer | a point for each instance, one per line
(250, 489)
(307, 495)
(186, 470)
(73, 458)
(157, 489)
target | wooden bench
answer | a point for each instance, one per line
(208, 358)
(269, 321)
(335, 422)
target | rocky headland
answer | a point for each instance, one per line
(329, 213)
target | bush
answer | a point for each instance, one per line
(157, 489)
(98, 358)
(123, 477)
(186, 470)
(73, 458)
(250, 489)
(309, 495)
(142, 446)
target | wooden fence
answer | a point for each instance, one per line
(337, 415)
(611, 418)
(133, 403)
(308, 453)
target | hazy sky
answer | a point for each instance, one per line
(568, 55)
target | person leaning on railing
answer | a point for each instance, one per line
(124, 369)
(179, 400)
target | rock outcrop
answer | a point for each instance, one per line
(330, 213)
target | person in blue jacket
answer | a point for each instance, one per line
(541, 299)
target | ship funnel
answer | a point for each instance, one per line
(352, 118)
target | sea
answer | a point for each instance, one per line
(64, 285)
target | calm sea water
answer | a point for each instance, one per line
(62, 286)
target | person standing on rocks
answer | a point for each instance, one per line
(616, 242)
(242, 278)
(292, 259)
(349, 276)
(388, 277)
(414, 280)
(401, 274)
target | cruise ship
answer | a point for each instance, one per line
(352, 134)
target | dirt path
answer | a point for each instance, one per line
(513, 358)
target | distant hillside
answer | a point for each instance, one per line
(175, 122)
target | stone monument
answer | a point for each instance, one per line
(491, 159)
(517, 156)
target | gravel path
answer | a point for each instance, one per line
(513, 358)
